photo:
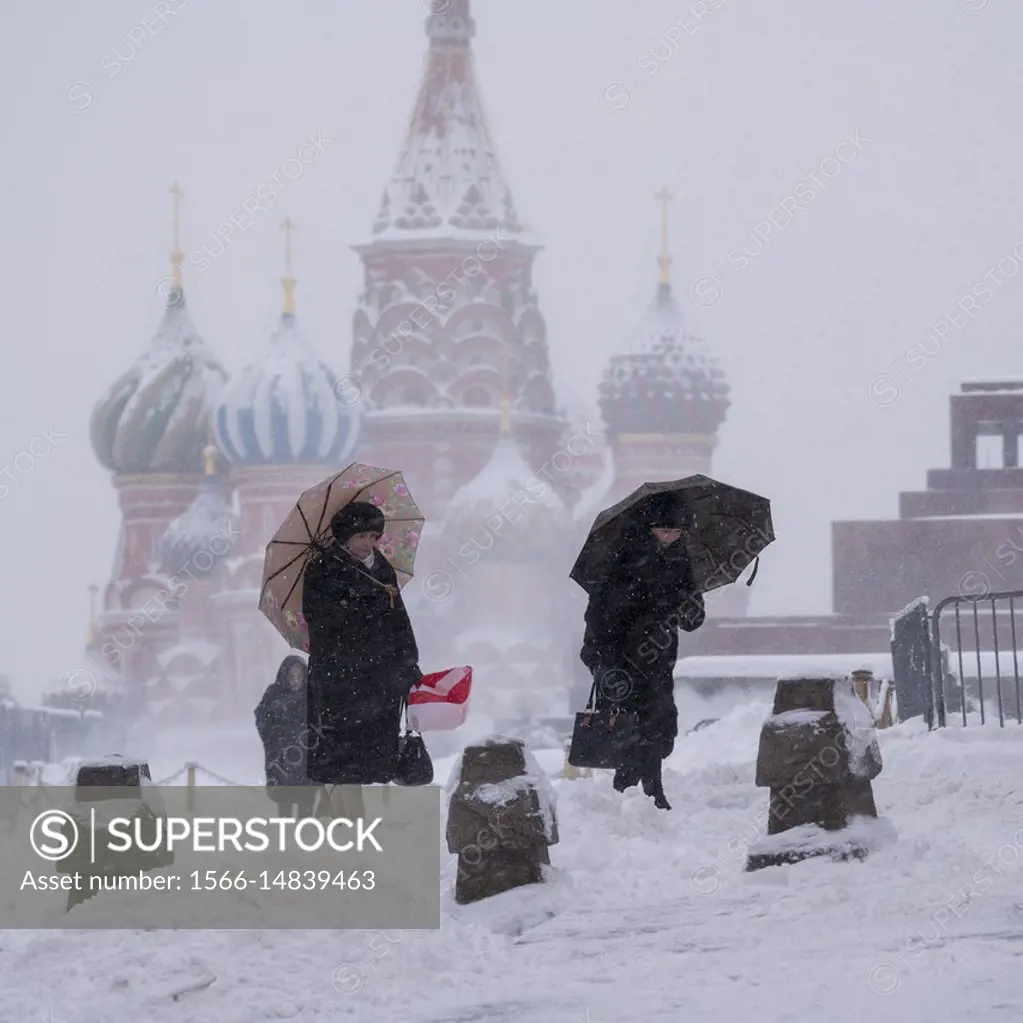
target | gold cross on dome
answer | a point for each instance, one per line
(664, 259)
(176, 254)
(288, 280)
(287, 227)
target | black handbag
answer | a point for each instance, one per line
(602, 738)
(414, 764)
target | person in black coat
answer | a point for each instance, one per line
(631, 641)
(363, 658)
(281, 723)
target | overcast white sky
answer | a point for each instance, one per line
(740, 108)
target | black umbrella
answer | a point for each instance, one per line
(724, 529)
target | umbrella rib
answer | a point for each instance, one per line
(305, 522)
(292, 590)
(323, 508)
(284, 568)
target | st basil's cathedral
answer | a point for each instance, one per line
(448, 379)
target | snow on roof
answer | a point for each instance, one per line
(505, 475)
(447, 178)
(409, 239)
(779, 666)
(208, 518)
(776, 666)
(283, 408)
(60, 712)
(1006, 382)
(205, 653)
(970, 518)
(155, 416)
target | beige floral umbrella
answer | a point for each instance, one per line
(306, 532)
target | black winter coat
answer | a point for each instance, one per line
(363, 660)
(281, 723)
(631, 639)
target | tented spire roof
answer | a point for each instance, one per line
(447, 182)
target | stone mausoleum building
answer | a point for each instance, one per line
(962, 534)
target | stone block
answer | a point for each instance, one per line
(804, 694)
(501, 820)
(121, 787)
(818, 755)
(790, 745)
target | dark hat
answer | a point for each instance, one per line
(289, 662)
(357, 517)
(666, 511)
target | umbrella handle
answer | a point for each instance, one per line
(756, 568)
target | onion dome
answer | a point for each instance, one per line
(666, 381)
(508, 512)
(286, 408)
(205, 533)
(154, 418)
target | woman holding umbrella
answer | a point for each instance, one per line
(646, 564)
(644, 595)
(363, 658)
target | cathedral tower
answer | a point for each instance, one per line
(448, 287)
(664, 396)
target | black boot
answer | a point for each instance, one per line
(625, 778)
(654, 787)
(656, 792)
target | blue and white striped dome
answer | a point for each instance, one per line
(284, 409)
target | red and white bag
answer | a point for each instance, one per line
(440, 702)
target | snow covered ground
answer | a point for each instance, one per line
(649, 917)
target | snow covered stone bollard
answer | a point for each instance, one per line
(108, 788)
(818, 755)
(501, 819)
(113, 771)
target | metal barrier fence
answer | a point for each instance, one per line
(984, 661)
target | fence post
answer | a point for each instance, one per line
(911, 646)
(861, 679)
(190, 791)
(885, 696)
